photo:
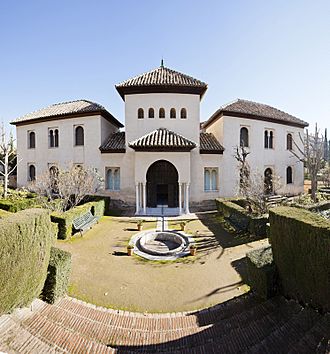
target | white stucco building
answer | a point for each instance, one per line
(164, 156)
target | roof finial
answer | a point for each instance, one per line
(162, 63)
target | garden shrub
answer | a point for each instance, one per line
(4, 214)
(15, 205)
(25, 241)
(261, 271)
(57, 281)
(234, 210)
(105, 200)
(301, 248)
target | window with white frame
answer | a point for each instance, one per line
(269, 139)
(31, 140)
(53, 137)
(113, 178)
(210, 179)
(31, 172)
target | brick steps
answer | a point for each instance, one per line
(242, 325)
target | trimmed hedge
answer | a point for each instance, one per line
(96, 198)
(261, 271)
(235, 212)
(4, 214)
(57, 281)
(15, 205)
(301, 248)
(64, 220)
(25, 241)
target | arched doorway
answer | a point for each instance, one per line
(162, 185)
(268, 181)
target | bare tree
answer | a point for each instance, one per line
(252, 184)
(8, 158)
(241, 155)
(63, 189)
(311, 155)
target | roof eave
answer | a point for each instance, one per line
(132, 90)
(162, 148)
(105, 114)
(112, 151)
(222, 112)
(211, 152)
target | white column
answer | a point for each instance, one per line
(137, 198)
(187, 199)
(144, 199)
(180, 198)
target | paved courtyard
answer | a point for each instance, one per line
(103, 274)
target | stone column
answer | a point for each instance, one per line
(137, 198)
(144, 198)
(180, 198)
(187, 199)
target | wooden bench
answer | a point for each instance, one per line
(84, 222)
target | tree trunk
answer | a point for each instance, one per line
(314, 188)
(5, 185)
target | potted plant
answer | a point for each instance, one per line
(183, 225)
(139, 225)
(193, 249)
(130, 250)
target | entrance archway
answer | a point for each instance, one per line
(162, 185)
(268, 181)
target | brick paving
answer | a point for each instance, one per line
(241, 325)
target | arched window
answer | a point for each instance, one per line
(207, 185)
(140, 113)
(268, 181)
(113, 179)
(79, 135)
(151, 113)
(214, 186)
(210, 179)
(244, 137)
(32, 140)
(109, 179)
(266, 139)
(289, 142)
(161, 113)
(32, 173)
(271, 140)
(289, 175)
(116, 177)
(56, 137)
(51, 138)
(53, 172)
(172, 113)
(183, 113)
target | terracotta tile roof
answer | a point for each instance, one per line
(162, 139)
(209, 144)
(114, 143)
(162, 79)
(66, 110)
(254, 110)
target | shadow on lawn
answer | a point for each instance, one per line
(224, 238)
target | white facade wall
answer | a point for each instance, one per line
(134, 165)
(278, 158)
(67, 153)
(135, 128)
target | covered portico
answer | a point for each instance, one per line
(162, 173)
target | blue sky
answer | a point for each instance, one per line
(274, 52)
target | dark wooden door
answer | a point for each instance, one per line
(162, 185)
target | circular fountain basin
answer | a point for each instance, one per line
(163, 243)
